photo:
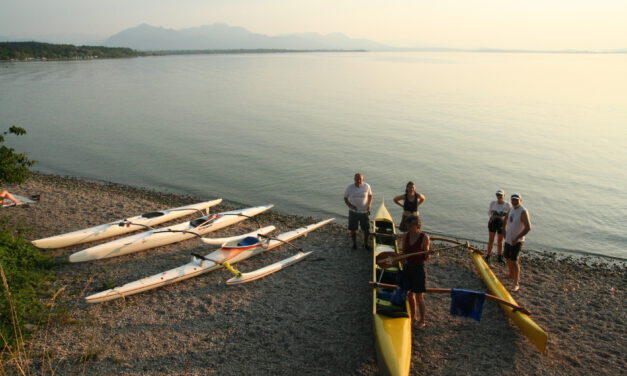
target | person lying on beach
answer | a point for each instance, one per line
(411, 201)
(6, 196)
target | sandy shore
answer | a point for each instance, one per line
(313, 318)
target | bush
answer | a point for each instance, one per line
(14, 167)
(26, 270)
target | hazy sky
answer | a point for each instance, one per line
(523, 24)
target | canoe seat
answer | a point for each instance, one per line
(249, 240)
(390, 275)
(198, 221)
(152, 215)
(386, 308)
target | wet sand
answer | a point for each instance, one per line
(313, 318)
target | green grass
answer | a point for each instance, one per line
(25, 272)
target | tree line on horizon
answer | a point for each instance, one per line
(39, 50)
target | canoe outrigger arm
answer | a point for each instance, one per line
(282, 241)
(514, 307)
(226, 264)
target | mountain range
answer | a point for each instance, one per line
(221, 36)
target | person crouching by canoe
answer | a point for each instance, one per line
(497, 211)
(411, 201)
(358, 198)
(414, 275)
(6, 196)
(517, 225)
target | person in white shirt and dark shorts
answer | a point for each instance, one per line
(517, 225)
(358, 198)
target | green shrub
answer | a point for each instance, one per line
(26, 270)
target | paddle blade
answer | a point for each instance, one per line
(386, 260)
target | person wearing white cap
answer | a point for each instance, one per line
(497, 211)
(517, 225)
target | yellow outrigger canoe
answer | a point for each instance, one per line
(392, 323)
(536, 335)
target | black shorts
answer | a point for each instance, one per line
(414, 278)
(356, 220)
(496, 225)
(512, 252)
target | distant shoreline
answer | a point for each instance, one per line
(38, 51)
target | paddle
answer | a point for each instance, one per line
(515, 307)
(388, 259)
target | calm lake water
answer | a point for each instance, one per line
(292, 129)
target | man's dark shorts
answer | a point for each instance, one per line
(496, 225)
(356, 220)
(414, 278)
(512, 252)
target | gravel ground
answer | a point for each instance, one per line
(313, 318)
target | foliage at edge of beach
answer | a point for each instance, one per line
(27, 272)
(14, 167)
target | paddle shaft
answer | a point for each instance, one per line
(282, 241)
(387, 261)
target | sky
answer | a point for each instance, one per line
(505, 24)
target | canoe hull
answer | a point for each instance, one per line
(111, 229)
(197, 266)
(391, 323)
(163, 236)
(536, 335)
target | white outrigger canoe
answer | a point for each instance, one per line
(166, 235)
(122, 226)
(229, 253)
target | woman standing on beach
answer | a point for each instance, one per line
(411, 201)
(414, 275)
(497, 211)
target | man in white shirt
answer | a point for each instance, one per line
(358, 198)
(517, 225)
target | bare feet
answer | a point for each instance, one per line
(516, 288)
(421, 324)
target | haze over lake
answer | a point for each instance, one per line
(292, 129)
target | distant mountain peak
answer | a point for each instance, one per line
(222, 36)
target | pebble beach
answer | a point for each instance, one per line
(313, 318)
